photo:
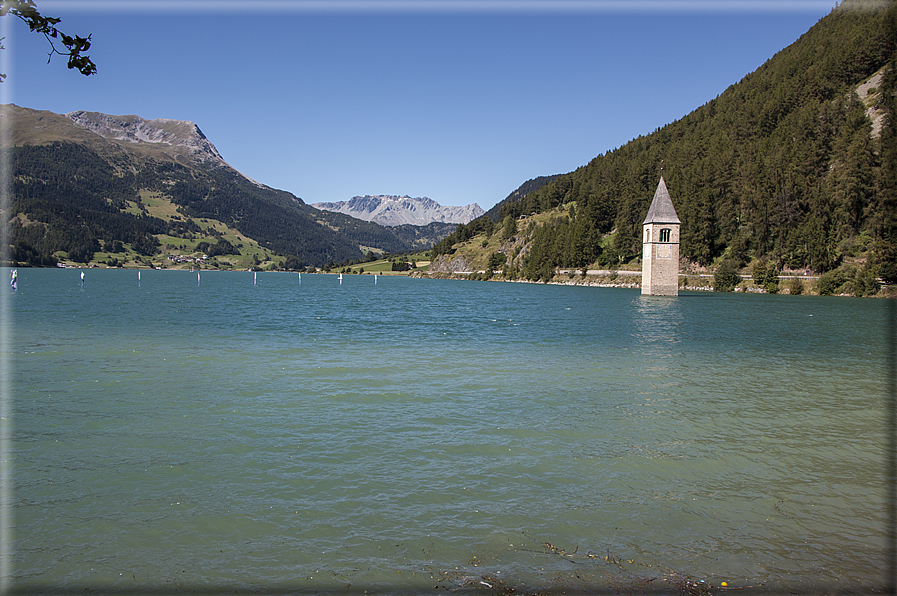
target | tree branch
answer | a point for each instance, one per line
(26, 10)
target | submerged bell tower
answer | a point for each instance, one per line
(660, 246)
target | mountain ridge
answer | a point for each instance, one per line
(176, 134)
(394, 210)
(134, 129)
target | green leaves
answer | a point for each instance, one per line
(75, 46)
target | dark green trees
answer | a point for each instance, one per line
(496, 261)
(726, 276)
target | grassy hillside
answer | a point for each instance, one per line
(406, 264)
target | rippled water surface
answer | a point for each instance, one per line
(418, 434)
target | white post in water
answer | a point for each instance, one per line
(197, 279)
(82, 279)
(254, 277)
(138, 279)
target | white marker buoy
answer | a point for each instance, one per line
(254, 277)
(197, 278)
(138, 279)
(82, 279)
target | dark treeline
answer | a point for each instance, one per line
(782, 166)
(71, 201)
(391, 240)
(420, 237)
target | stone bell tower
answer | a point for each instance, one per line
(660, 246)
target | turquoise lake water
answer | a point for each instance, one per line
(425, 435)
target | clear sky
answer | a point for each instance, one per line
(457, 100)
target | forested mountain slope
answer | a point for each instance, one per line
(784, 165)
(87, 182)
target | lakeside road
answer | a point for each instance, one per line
(606, 278)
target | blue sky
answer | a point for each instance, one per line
(455, 100)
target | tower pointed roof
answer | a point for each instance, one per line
(662, 210)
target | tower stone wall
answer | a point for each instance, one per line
(660, 246)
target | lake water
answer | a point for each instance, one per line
(221, 433)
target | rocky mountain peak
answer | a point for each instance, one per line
(134, 129)
(393, 210)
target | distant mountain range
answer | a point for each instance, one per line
(391, 210)
(794, 166)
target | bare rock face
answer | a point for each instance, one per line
(391, 210)
(177, 134)
(450, 264)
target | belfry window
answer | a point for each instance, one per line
(664, 234)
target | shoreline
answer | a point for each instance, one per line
(619, 281)
(592, 279)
